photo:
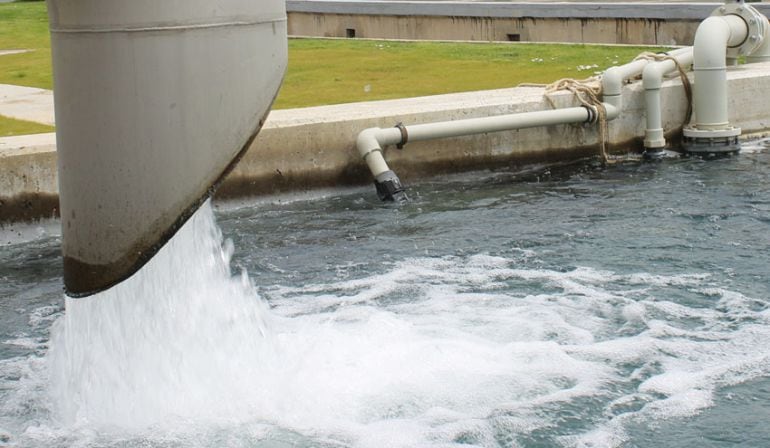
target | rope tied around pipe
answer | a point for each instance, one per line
(686, 84)
(588, 93)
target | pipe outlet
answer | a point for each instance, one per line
(155, 103)
(370, 143)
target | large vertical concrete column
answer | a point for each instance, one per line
(155, 101)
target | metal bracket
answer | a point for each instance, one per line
(404, 135)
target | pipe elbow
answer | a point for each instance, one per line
(368, 141)
(652, 76)
(612, 111)
(612, 81)
(713, 37)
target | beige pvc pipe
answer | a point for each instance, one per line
(614, 77)
(370, 142)
(712, 38)
(155, 101)
(652, 80)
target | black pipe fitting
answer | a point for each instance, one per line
(711, 146)
(389, 188)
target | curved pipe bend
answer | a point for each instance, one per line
(614, 77)
(712, 38)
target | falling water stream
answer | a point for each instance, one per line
(624, 306)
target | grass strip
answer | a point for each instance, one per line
(341, 71)
(24, 26)
(11, 126)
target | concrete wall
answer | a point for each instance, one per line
(615, 23)
(29, 185)
(607, 31)
(300, 149)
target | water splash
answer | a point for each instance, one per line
(180, 339)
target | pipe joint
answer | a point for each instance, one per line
(712, 142)
(367, 142)
(614, 77)
(746, 37)
(389, 187)
(654, 139)
(612, 82)
(652, 76)
(593, 114)
(404, 135)
(611, 111)
(762, 53)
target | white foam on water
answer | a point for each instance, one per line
(176, 340)
(441, 352)
(23, 232)
(755, 146)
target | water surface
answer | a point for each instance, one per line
(576, 306)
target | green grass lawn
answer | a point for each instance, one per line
(24, 26)
(11, 126)
(325, 71)
(340, 71)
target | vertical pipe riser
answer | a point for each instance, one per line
(711, 99)
(733, 30)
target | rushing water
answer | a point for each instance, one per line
(624, 306)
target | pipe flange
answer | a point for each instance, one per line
(730, 131)
(755, 21)
(703, 141)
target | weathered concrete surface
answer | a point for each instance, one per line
(515, 9)
(27, 103)
(29, 186)
(660, 23)
(301, 149)
(524, 29)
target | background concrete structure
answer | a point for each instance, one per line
(664, 23)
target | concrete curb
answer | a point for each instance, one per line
(27, 103)
(302, 149)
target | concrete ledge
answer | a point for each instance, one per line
(315, 147)
(27, 103)
(29, 185)
(513, 10)
(302, 149)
